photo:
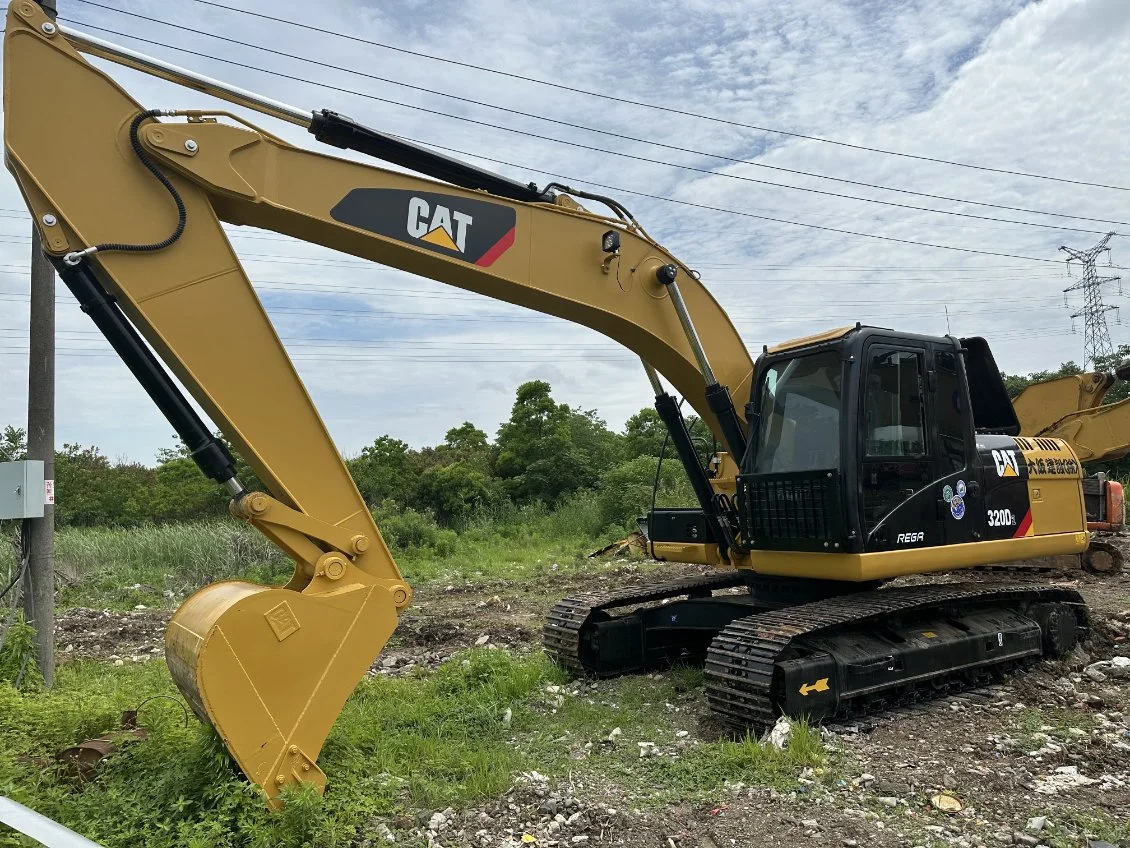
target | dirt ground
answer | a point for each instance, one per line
(1031, 761)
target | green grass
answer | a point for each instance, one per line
(1055, 723)
(401, 744)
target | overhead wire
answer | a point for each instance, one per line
(652, 106)
(690, 204)
(612, 134)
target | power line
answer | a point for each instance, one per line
(589, 147)
(645, 105)
(722, 210)
(586, 128)
(687, 203)
(496, 318)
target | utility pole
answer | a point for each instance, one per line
(39, 580)
(1096, 336)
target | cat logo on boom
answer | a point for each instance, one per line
(452, 225)
(440, 226)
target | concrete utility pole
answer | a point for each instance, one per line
(1096, 336)
(39, 581)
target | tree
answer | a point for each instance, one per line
(13, 444)
(453, 492)
(644, 434)
(92, 491)
(548, 450)
(385, 469)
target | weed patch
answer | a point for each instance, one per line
(401, 744)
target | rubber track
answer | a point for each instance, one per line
(741, 661)
(561, 634)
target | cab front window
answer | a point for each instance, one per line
(800, 415)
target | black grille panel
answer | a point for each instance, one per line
(797, 511)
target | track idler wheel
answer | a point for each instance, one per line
(270, 669)
(1102, 559)
(1060, 628)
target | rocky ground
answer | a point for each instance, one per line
(1040, 759)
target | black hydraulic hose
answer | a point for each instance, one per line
(182, 212)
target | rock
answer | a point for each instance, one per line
(682, 734)
(1120, 662)
(384, 834)
(1095, 674)
(507, 717)
(850, 843)
(388, 662)
(1064, 777)
(810, 823)
(573, 819)
(437, 821)
(780, 734)
(548, 808)
(424, 816)
(482, 640)
(949, 781)
(945, 803)
(613, 735)
(1036, 824)
(647, 749)
(864, 780)
(579, 839)
(888, 801)
(1019, 838)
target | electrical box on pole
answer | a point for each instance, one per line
(22, 493)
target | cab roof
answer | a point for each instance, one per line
(805, 341)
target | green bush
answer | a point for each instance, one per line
(625, 490)
(405, 528)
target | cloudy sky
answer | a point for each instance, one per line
(1023, 87)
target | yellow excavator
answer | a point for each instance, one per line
(1071, 408)
(849, 458)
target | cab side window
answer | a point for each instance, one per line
(951, 412)
(894, 416)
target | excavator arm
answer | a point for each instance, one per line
(130, 211)
(1071, 408)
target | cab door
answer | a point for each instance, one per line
(957, 494)
(897, 465)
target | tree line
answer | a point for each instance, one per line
(544, 453)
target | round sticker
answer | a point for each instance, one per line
(947, 493)
(961, 488)
(957, 507)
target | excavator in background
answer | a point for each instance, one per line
(848, 458)
(1071, 408)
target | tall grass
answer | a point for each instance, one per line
(159, 565)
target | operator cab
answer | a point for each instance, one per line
(865, 439)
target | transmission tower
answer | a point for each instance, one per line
(1096, 336)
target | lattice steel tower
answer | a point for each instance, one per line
(1096, 336)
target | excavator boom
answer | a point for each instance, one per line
(130, 211)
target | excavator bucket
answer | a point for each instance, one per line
(270, 669)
